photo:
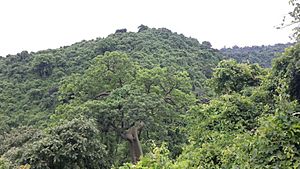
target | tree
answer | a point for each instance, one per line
(131, 98)
(229, 76)
(142, 28)
(132, 135)
(206, 45)
(287, 68)
(121, 30)
(295, 19)
(73, 144)
(43, 65)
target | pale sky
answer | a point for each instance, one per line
(34, 25)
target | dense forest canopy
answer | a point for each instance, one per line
(262, 55)
(113, 84)
(30, 81)
(150, 99)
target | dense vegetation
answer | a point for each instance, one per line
(263, 55)
(150, 99)
(108, 86)
(253, 123)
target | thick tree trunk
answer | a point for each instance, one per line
(132, 136)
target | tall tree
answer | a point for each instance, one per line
(125, 98)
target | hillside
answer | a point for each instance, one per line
(263, 55)
(33, 85)
(29, 81)
(149, 99)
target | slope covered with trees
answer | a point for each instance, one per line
(30, 81)
(254, 125)
(263, 55)
(88, 104)
(149, 99)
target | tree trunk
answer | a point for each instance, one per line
(132, 136)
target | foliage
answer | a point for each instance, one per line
(156, 96)
(157, 158)
(287, 67)
(293, 19)
(71, 107)
(29, 82)
(231, 77)
(74, 144)
(17, 137)
(263, 55)
(4, 164)
(267, 139)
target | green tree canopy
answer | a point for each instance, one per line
(229, 76)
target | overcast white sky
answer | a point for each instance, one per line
(41, 24)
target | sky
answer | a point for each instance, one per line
(34, 25)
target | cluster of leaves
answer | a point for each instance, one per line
(288, 69)
(292, 19)
(231, 77)
(4, 164)
(263, 55)
(74, 144)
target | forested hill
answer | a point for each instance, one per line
(263, 55)
(151, 66)
(29, 81)
(148, 99)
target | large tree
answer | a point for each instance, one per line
(125, 98)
